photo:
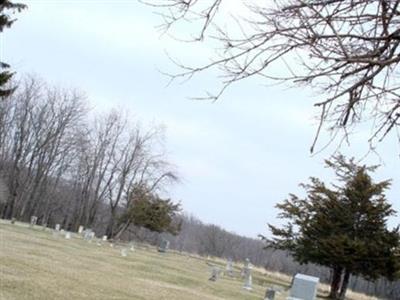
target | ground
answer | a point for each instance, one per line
(36, 264)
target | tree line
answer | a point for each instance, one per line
(64, 165)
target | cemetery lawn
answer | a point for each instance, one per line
(35, 264)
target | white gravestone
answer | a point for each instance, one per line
(80, 229)
(33, 221)
(229, 267)
(104, 238)
(68, 235)
(304, 287)
(247, 275)
(124, 252)
(58, 227)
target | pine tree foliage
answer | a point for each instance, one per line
(6, 20)
(343, 227)
(150, 211)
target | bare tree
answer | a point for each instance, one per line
(36, 129)
(345, 49)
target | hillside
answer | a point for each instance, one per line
(36, 264)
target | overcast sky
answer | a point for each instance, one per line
(238, 156)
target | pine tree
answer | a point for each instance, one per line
(5, 22)
(148, 210)
(342, 227)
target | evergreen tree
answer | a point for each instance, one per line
(148, 210)
(5, 22)
(342, 227)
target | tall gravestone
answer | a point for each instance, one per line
(229, 267)
(33, 221)
(58, 227)
(247, 275)
(304, 287)
(164, 245)
(80, 229)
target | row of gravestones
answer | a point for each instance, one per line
(89, 236)
(303, 287)
(246, 273)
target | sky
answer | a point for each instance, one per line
(237, 157)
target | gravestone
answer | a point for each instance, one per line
(132, 247)
(247, 275)
(80, 229)
(214, 274)
(229, 267)
(104, 238)
(88, 235)
(68, 235)
(304, 287)
(124, 252)
(269, 294)
(33, 221)
(164, 245)
(58, 227)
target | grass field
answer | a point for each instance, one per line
(36, 264)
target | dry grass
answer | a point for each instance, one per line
(35, 264)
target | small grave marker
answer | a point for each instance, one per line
(80, 229)
(58, 227)
(214, 274)
(124, 252)
(269, 294)
(88, 235)
(68, 235)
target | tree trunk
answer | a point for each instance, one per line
(121, 230)
(110, 227)
(345, 284)
(335, 284)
